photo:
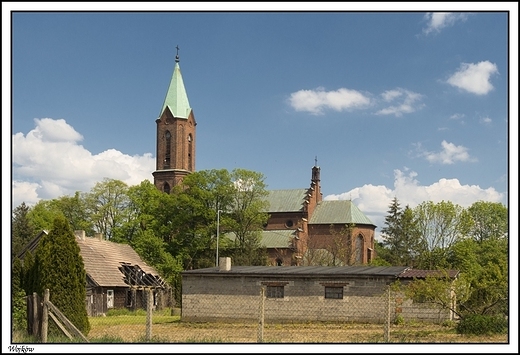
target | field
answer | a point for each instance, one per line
(169, 329)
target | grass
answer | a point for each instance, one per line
(130, 327)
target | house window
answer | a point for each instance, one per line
(334, 292)
(274, 292)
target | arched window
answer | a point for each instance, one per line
(166, 187)
(190, 152)
(167, 152)
(359, 249)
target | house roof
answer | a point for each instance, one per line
(338, 212)
(305, 270)
(286, 200)
(103, 260)
(399, 272)
(108, 264)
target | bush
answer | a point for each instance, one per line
(479, 324)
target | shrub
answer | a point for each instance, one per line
(479, 324)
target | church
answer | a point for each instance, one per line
(302, 229)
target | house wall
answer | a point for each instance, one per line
(230, 297)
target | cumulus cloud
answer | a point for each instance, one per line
(48, 163)
(374, 201)
(318, 100)
(486, 120)
(474, 78)
(396, 101)
(436, 21)
(449, 154)
(404, 101)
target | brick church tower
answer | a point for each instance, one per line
(175, 150)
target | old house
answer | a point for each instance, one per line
(302, 228)
(116, 276)
(304, 293)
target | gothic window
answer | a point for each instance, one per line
(167, 153)
(359, 249)
(190, 152)
(166, 188)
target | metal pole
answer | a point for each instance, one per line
(218, 227)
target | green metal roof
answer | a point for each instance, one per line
(338, 212)
(272, 238)
(176, 98)
(286, 200)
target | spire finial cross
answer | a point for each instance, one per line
(177, 56)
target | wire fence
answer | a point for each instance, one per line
(267, 317)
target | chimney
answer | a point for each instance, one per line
(224, 264)
(80, 234)
(98, 236)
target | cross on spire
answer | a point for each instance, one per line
(316, 160)
(177, 56)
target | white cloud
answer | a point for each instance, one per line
(407, 102)
(486, 120)
(316, 101)
(48, 163)
(374, 201)
(439, 20)
(449, 154)
(474, 78)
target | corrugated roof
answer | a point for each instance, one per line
(305, 270)
(103, 258)
(176, 98)
(338, 212)
(272, 238)
(286, 200)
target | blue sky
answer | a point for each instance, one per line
(411, 104)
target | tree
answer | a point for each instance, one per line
(490, 221)
(60, 269)
(22, 230)
(248, 216)
(343, 248)
(400, 235)
(108, 206)
(440, 226)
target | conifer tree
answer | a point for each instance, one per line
(61, 270)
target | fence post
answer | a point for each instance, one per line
(261, 316)
(36, 320)
(387, 322)
(45, 315)
(149, 303)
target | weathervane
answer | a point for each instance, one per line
(177, 56)
(316, 160)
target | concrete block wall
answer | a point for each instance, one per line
(232, 297)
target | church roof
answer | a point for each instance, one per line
(286, 200)
(176, 98)
(338, 212)
(271, 238)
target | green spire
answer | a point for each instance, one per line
(176, 98)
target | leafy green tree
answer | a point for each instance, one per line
(342, 248)
(247, 216)
(75, 211)
(484, 265)
(440, 226)
(107, 204)
(42, 214)
(22, 230)
(490, 221)
(61, 270)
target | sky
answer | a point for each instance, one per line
(407, 102)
